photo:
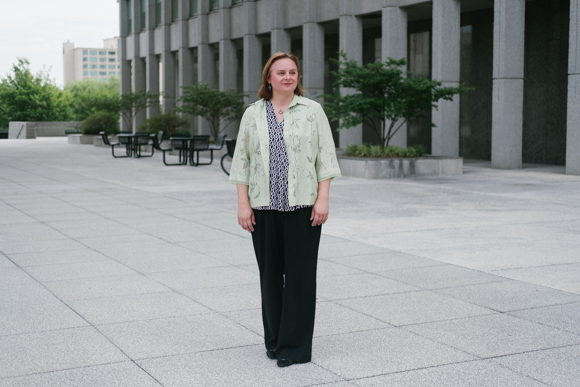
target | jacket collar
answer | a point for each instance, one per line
(295, 101)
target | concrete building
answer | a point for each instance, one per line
(521, 57)
(95, 63)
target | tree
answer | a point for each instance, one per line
(90, 96)
(384, 96)
(169, 123)
(28, 97)
(130, 104)
(101, 122)
(214, 105)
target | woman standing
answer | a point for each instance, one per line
(283, 163)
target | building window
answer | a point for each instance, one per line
(213, 5)
(102, 73)
(85, 66)
(174, 13)
(85, 73)
(129, 17)
(85, 52)
(92, 59)
(112, 73)
(111, 59)
(157, 12)
(102, 59)
(112, 53)
(143, 14)
(102, 52)
(192, 7)
(237, 1)
(112, 66)
(93, 52)
(94, 72)
(93, 66)
(85, 59)
(102, 66)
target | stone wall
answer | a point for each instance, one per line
(26, 129)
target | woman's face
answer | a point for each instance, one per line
(283, 76)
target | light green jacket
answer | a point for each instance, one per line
(310, 148)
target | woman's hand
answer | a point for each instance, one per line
(246, 217)
(319, 213)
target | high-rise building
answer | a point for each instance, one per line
(95, 63)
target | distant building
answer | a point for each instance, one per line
(95, 63)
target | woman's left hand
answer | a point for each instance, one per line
(319, 213)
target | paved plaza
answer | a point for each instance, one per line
(125, 272)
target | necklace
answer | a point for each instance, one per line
(281, 112)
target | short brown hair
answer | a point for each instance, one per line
(267, 94)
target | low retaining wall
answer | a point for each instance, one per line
(82, 138)
(389, 168)
(28, 129)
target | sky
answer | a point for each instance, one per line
(36, 30)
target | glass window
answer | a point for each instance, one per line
(129, 17)
(157, 12)
(85, 52)
(85, 59)
(174, 13)
(112, 66)
(112, 53)
(92, 59)
(192, 7)
(237, 1)
(143, 14)
(112, 73)
(85, 66)
(102, 59)
(102, 73)
(214, 4)
(111, 59)
(93, 66)
(102, 66)
(93, 52)
(94, 72)
(102, 52)
(85, 73)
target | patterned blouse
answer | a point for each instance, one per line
(278, 165)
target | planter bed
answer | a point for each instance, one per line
(81, 138)
(389, 168)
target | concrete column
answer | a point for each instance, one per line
(312, 52)
(205, 59)
(573, 131)
(151, 60)
(350, 41)
(394, 45)
(184, 54)
(446, 54)
(139, 83)
(125, 80)
(279, 38)
(228, 63)
(252, 55)
(167, 60)
(508, 84)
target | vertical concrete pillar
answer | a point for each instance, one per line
(252, 54)
(350, 41)
(279, 38)
(125, 80)
(573, 124)
(167, 60)
(184, 54)
(394, 45)
(508, 84)
(445, 68)
(139, 83)
(312, 51)
(228, 63)
(151, 60)
(205, 58)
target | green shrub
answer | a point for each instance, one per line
(351, 150)
(376, 151)
(366, 150)
(169, 123)
(100, 122)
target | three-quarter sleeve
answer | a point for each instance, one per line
(240, 170)
(326, 161)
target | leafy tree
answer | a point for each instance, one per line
(130, 104)
(169, 123)
(28, 97)
(214, 105)
(101, 122)
(90, 96)
(385, 97)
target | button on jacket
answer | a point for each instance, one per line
(310, 148)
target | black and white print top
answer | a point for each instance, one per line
(278, 165)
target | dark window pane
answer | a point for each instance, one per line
(158, 12)
(143, 14)
(129, 16)
(174, 13)
(192, 7)
(213, 4)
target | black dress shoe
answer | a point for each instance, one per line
(285, 362)
(271, 354)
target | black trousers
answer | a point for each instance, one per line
(286, 247)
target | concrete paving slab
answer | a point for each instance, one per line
(107, 375)
(494, 335)
(555, 367)
(387, 260)
(509, 295)
(244, 366)
(204, 278)
(565, 277)
(357, 355)
(358, 285)
(330, 269)
(33, 246)
(179, 335)
(110, 310)
(70, 271)
(162, 263)
(5, 262)
(566, 316)
(466, 374)
(414, 308)
(97, 287)
(227, 298)
(55, 350)
(57, 257)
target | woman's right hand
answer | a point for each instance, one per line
(246, 217)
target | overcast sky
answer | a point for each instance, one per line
(36, 30)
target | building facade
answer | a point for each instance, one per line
(95, 63)
(522, 59)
